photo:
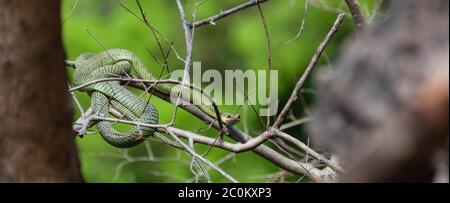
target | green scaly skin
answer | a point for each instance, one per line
(113, 56)
(111, 95)
(131, 106)
(120, 62)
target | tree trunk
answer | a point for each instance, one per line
(35, 124)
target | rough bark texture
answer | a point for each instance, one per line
(386, 109)
(36, 144)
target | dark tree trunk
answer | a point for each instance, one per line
(35, 116)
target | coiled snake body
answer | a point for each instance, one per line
(111, 95)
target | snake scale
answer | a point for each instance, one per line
(109, 95)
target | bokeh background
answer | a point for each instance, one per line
(236, 42)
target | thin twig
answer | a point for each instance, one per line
(98, 42)
(357, 15)
(192, 152)
(71, 12)
(130, 160)
(188, 38)
(308, 150)
(70, 64)
(295, 123)
(148, 147)
(217, 163)
(302, 26)
(211, 20)
(188, 58)
(235, 148)
(155, 36)
(295, 93)
(269, 58)
(153, 29)
(78, 104)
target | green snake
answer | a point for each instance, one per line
(111, 95)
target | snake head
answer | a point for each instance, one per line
(230, 119)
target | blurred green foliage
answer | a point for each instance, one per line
(236, 42)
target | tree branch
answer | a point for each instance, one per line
(269, 57)
(295, 94)
(256, 144)
(295, 123)
(357, 15)
(211, 20)
(245, 141)
(308, 150)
